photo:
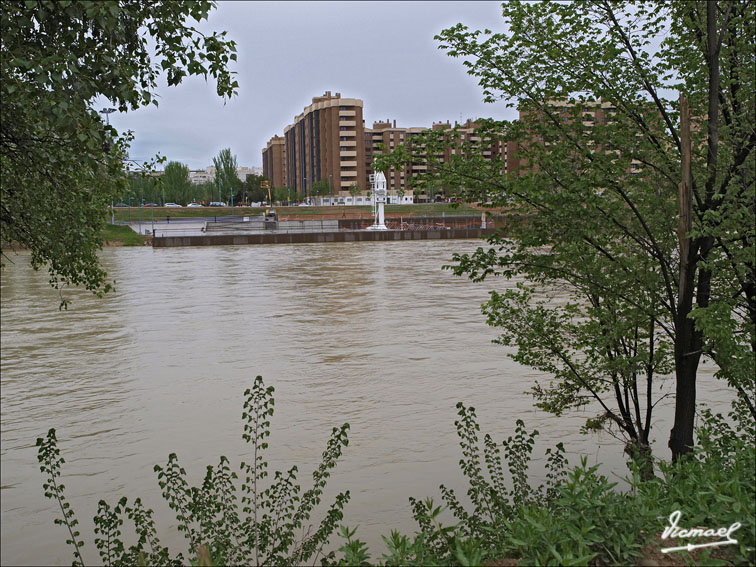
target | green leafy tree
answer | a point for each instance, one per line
(640, 218)
(354, 190)
(225, 173)
(142, 187)
(60, 164)
(177, 188)
(282, 194)
(320, 188)
(206, 191)
(253, 190)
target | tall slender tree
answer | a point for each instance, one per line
(226, 179)
(593, 172)
(176, 184)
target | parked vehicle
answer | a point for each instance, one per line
(217, 204)
(172, 205)
(150, 205)
(121, 205)
(194, 205)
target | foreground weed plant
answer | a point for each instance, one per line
(577, 517)
(481, 532)
(482, 529)
(257, 524)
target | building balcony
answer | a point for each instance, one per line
(347, 113)
(347, 154)
(349, 123)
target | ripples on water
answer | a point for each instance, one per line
(374, 334)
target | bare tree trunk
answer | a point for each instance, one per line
(686, 358)
(689, 341)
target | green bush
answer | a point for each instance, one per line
(714, 487)
(577, 517)
(590, 523)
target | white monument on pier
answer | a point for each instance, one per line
(379, 190)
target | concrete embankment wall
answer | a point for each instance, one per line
(334, 224)
(304, 237)
(410, 222)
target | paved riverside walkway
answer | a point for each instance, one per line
(173, 228)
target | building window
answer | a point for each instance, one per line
(342, 128)
(342, 108)
(344, 149)
(342, 118)
(344, 138)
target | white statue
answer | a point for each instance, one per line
(379, 190)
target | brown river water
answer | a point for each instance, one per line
(375, 334)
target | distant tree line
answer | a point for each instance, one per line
(174, 185)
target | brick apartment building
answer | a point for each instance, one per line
(329, 142)
(324, 143)
(274, 162)
(588, 113)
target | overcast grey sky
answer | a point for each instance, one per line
(288, 52)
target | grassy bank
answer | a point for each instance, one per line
(117, 235)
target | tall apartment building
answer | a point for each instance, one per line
(274, 162)
(390, 136)
(324, 143)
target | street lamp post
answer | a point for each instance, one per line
(305, 189)
(107, 112)
(330, 187)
